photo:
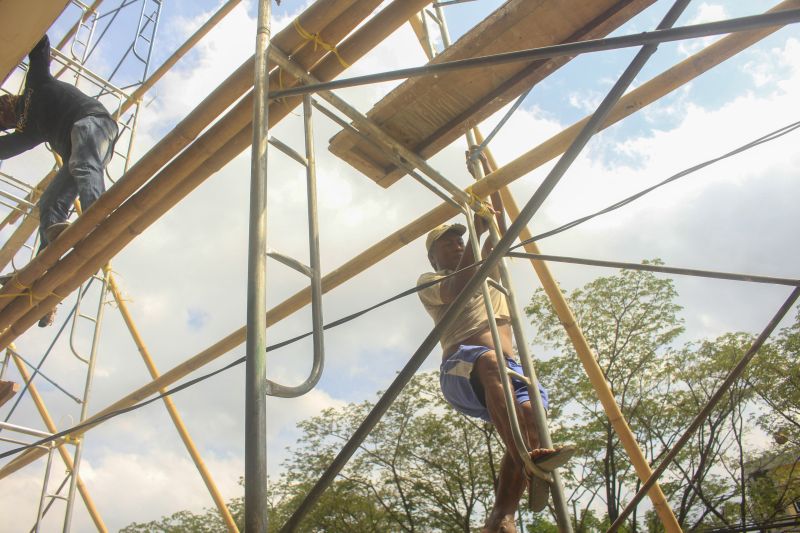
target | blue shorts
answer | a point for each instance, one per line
(457, 387)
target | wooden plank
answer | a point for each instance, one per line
(7, 391)
(22, 24)
(428, 113)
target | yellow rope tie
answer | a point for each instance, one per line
(35, 298)
(481, 207)
(318, 42)
(69, 439)
(19, 285)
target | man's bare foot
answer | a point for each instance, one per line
(503, 524)
(548, 459)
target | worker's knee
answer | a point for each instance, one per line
(487, 369)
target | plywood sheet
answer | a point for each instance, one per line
(22, 24)
(428, 113)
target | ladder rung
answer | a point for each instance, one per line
(497, 285)
(290, 262)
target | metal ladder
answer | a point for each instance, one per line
(90, 361)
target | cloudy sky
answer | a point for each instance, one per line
(185, 277)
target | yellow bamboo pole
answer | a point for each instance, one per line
(192, 166)
(628, 104)
(313, 20)
(421, 31)
(62, 450)
(171, 409)
(588, 360)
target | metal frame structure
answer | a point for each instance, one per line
(126, 112)
(49, 273)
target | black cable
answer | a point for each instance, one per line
(230, 365)
(569, 225)
(770, 136)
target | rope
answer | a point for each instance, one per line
(481, 207)
(318, 42)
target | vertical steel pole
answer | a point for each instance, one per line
(40, 512)
(255, 476)
(73, 482)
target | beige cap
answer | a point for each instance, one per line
(438, 231)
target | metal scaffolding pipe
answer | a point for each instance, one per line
(189, 163)
(31, 197)
(637, 99)
(655, 37)
(180, 177)
(176, 140)
(176, 56)
(501, 248)
(62, 450)
(752, 278)
(255, 405)
(19, 237)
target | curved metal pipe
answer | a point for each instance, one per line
(276, 389)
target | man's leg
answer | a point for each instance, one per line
(55, 203)
(512, 480)
(92, 142)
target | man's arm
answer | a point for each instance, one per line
(16, 143)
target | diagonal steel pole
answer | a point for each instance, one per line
(501, 248)
(732, 377)
(568, 49)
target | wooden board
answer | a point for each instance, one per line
(428, 113)
(7, 391)
(22, 24)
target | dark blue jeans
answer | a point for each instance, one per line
(92, 141)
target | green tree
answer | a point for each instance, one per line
(629, 320)
(424, 467)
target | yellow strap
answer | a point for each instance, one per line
(317, 40)
(482, 208)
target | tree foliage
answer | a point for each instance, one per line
(632, 325)
(425, 468)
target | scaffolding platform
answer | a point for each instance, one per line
(21, 27)
(428, 113)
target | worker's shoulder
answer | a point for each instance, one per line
(428, 277)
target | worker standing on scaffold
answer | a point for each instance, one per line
(469, 376)
(77, 127)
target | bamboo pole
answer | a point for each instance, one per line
(421, 31)
(219, 501)
(133, 99)
(176, 140)
(194, 165)
(657, 87)
(62, 450)
(588, 360)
